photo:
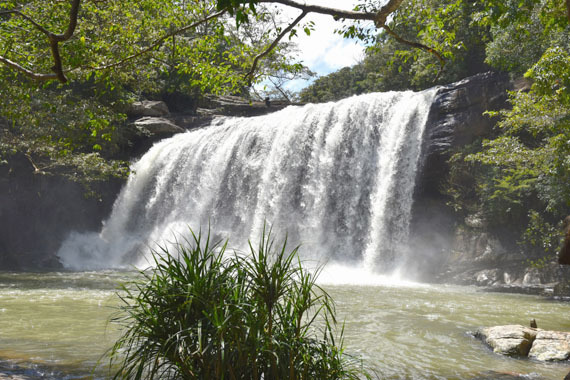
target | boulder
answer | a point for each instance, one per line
(510, 340)
(149, 108)
(487, 277)
(532, 277)
(157, 126)
(550, 346)
(517, 340)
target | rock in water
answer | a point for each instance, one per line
(550, 346)
(510, 340)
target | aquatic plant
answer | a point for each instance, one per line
(202, 312)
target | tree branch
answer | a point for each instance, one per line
(337, 13)
(379, 19)
(26, 72)
(418, 45)
(54, 40)
(73, 13)
(251, 72)
(385, 11)
(157, 42)
(27, 18)
(278, 88)
(568, 10)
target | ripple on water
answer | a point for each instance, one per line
(407, 331)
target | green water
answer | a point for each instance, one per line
(54, 326)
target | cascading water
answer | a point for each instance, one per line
(338, 177)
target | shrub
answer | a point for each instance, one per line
(203, 313)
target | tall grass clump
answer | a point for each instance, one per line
(203, 313)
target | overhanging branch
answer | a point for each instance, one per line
(337, 13)
(379, 18)
(418, 45)
(157, 42)
(26, 72)
(251, 72)
(385, 11)
(54, 40)
(27, 18)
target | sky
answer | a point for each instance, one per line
(324, 51)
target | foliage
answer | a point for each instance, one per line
(531, 156)
(120, 51)
(542, 235)
(203, 313)
(522, 31)
(390, 65)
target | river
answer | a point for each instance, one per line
(55, 326)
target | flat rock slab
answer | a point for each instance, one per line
(510, 340)
(148, 108)
(517, 340)
(157, 125)
(551, 346)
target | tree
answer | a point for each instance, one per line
(391, 65)
(72, 120)
(80, 11)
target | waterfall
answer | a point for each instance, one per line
(337, 177)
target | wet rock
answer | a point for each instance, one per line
(562, 289)
(37, 212)
(517, 340)
(475, 221)
(157, 126)
(550, 346)
(148, 108)
(532, 277)
(510, 340)
(487, 277)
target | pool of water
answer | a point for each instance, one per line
(55, 326)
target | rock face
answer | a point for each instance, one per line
(37, 212)
(236, 106)
(456, 116)
(455, 119)
(521, 341)
(467, 250)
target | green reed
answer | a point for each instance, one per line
(204, 313)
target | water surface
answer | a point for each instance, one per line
(54, 326)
